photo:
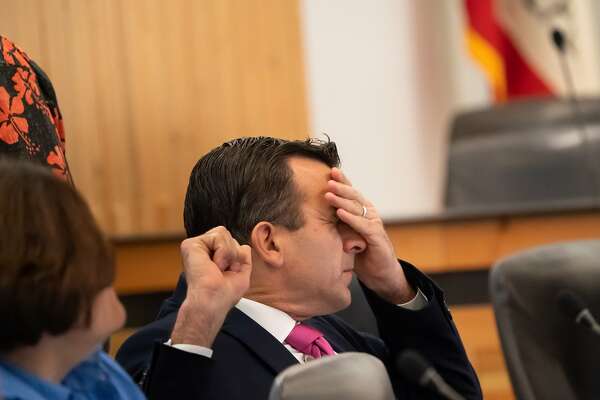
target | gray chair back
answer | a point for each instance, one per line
(525, 154)
(548, 356)
(348, 376)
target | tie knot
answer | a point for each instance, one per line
(309, 341)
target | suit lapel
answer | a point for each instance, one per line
(258, 341)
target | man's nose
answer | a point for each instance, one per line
(353, 243)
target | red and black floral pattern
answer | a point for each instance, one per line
(30, 121)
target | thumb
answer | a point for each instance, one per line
(240, 278)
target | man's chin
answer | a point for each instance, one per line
(342, 302)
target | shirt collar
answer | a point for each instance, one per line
(274, 321)
(18, 383)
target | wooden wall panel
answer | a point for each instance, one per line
(147, 86)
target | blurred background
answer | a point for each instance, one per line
(471, 124)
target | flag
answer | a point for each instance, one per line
(510, 72)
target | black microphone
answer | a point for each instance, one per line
(417, 370)
(558, 38)
(575, 309)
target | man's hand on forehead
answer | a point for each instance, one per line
(377, 267)
(348, 201)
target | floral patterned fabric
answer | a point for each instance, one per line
(30, 121)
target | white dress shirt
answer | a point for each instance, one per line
(280, 324)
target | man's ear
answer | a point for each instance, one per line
(265, 241)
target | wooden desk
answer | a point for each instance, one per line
(458, 245)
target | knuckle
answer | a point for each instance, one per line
(217, 229)
(222, 231)
(185, 244)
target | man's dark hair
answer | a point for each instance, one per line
(54, 259)
(248, 180)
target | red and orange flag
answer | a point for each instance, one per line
(508, 72)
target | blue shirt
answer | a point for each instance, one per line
(98, 377)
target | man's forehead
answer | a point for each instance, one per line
(308, 170)
(310, 177)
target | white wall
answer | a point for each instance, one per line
(383, 79)
(386, 76)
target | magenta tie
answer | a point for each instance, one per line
(309, 341)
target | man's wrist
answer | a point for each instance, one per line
(196, 324)
(396, 294)
(391, 286)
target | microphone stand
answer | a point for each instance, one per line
(557, 37)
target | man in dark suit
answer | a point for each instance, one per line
(308, 230)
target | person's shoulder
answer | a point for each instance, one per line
(108, 364)
(15, 387)
(98, 374)
(121, 380)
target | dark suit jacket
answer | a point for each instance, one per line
(247, 358)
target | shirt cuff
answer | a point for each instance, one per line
(192, 348)
(419, 302)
